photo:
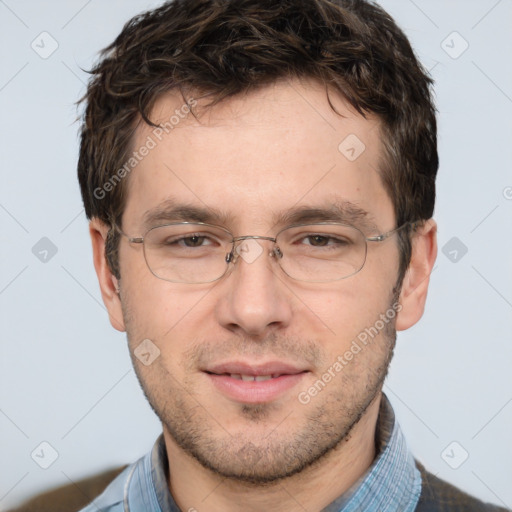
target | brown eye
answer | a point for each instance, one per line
(318, 241)
(324, 241)
(194, 241)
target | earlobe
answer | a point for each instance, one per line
(109, 284)
(413, 294)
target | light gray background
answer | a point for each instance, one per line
(65, 374)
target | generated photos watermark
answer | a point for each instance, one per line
(150, 143)
(364, 338)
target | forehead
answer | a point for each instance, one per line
(255, 156)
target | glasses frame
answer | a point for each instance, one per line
(232, 256)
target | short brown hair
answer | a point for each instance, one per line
(226, 47)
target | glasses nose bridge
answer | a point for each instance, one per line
(253, 237)
(233, 256)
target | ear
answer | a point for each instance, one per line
(413, 294)
(109, 285)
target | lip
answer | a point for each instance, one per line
(243, 368)
(285, 377)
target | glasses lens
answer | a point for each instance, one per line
(187, 253)
(321, 252)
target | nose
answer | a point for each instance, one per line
(253, 297)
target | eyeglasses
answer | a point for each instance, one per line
(195, 253)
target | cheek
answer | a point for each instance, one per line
(153, 305)
(160, 310)
(169, 315)
(342, 312)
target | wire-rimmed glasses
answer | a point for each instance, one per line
(196, 252)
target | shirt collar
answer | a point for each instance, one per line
(391, 483)
(160, 476)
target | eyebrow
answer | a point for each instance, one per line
(338, 210)
(173, 211)
(335, 210)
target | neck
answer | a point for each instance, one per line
(195, 487)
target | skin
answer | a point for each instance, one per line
(252, 157)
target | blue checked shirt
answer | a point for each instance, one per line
(392, 483)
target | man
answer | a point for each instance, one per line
(260, 180)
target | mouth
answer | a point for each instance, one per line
(249, 383)
(253, 378)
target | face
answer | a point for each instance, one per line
(247, 164)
